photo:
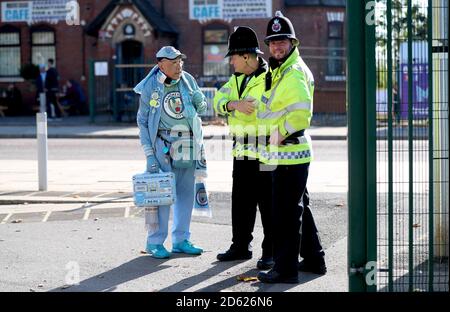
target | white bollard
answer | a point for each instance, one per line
(42, 102)
(41, 122)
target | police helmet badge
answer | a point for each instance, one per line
(276, 26)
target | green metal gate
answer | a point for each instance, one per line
(398, 145)
(111, 95)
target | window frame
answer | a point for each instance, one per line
(42, 29)
(213, 27)
(12, 29)
(334, 76)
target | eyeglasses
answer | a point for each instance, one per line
(177, 61)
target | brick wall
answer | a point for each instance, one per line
(74, 48)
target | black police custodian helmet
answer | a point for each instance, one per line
(280, 28)
(243, 40)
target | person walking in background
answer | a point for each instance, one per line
(170, 101)
(252, 187)
(47, 82)
(288, 109)
(52, 86)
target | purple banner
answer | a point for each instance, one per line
(419, 91)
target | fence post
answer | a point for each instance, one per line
(361, 151)
(114, 92)
(92, 104)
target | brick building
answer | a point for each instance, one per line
(131, 31)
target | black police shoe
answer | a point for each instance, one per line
(316, 267)
(234, 254)
(265, 263)
(274, 277)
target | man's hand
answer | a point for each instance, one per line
(276, 138)
(246, 106)
(197, 98)
(152, 164)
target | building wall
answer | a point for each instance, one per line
(74, 47)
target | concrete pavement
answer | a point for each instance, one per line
(87, 219)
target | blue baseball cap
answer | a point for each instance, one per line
(170, 53)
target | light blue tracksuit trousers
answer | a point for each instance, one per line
(182, 210)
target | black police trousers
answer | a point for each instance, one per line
(252, 187)
(291, 208)
(310, 245)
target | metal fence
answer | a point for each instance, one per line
(412, 222)
(404, 179)
(111, 94)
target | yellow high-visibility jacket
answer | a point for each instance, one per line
(287, 106)
(242, 125)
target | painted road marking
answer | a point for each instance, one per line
(47, 215)
(6, 218)
(86, 213)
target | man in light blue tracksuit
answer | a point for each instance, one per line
(171, 135)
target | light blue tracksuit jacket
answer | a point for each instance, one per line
(148, 118)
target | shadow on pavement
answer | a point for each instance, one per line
(262, 287)
(201, 277)
(109, 280)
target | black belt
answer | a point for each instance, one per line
(174, 133)
(291, 139)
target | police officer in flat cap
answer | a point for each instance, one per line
(288, 99)
(252, 188)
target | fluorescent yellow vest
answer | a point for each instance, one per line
(287, 106)
(241, 125)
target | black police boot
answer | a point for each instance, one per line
(234, 254)
(265, 263)
(316, 266)
(274, 277)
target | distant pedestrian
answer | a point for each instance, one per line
(13, 101)
(74, 99)
(47, 82)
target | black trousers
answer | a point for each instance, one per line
(289, 205)
(252, 188)
(310, 245)
(51, 99)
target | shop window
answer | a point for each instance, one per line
(215, 47)
(335, 49)
(42, 46)
(9, 52)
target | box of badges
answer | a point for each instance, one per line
(151, 190)
(154, 189)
